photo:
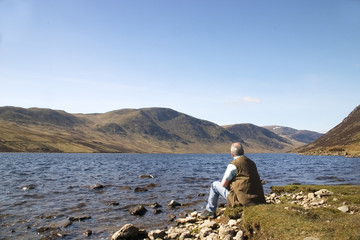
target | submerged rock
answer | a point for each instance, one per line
(146, 176)
(173, 204)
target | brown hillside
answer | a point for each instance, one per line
(344, 139)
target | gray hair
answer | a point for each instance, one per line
(237, 149)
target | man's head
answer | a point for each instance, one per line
(236, 149)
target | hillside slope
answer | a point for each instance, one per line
(343, 139)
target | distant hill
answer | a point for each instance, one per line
(259, 139)
(303, 136)
(146, 130)
(343, 139)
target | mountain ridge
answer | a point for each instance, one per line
(144, 130)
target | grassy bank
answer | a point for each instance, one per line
(296, 214)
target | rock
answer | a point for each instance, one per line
(128, 231)
(209, 224)
(323, 193)
(186, 220)
(311, 238)
(157, 211)
(172, 217)
(213, 236)
(155, 205)
(194, 214)
(175, 233)
(140, 189)
(185, 235)
(157, 234)
(225, 232)
(97, 186)
(139, 210)
(232, 222)
(79, 218)
(62, 224)
(28, 187)
(46, 229)
(205, 231)
(146, 176)
(239, 235)
(125, 188)
(173, 203)
(344, 209)
(311, 195)
(87, 233)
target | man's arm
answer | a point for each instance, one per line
(230, 173)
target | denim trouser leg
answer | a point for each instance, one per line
(215, 191)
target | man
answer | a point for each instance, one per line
(240, 186)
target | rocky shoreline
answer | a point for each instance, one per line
(224, 227)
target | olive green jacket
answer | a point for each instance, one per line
(245, 188)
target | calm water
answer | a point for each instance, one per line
(61, 187)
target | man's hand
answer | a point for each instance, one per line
(225, 183)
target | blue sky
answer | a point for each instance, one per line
(289, 63)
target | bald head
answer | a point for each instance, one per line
(236, 149)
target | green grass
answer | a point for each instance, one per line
(289, 221)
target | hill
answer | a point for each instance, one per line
(343, 139)
(146, 130)
(262, 139)
(302, 136)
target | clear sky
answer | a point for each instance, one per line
(290, 63)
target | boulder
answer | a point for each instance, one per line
(129, 232)
(139, 210)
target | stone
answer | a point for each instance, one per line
(97, 186)
(128, 232)
(226, 232)
(209, 224)
(155, 205)
(173, 203)
(323, 193)
(205, 231)
(157, 234)
(311, 238)
(79, 218)
(87, 233)
(194, 214)
(344, 209)
(232, 222)
(157, 211)
(139, 210)
(311, 195)
(146, 176)
(239, 235)
(212, 236)
(186, 220)
(175, 233)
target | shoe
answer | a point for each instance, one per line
(206, 214)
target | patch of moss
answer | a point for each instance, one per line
(233, 213)
(288, 221)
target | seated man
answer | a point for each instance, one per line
(240, 186)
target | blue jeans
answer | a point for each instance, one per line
(216, 190)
